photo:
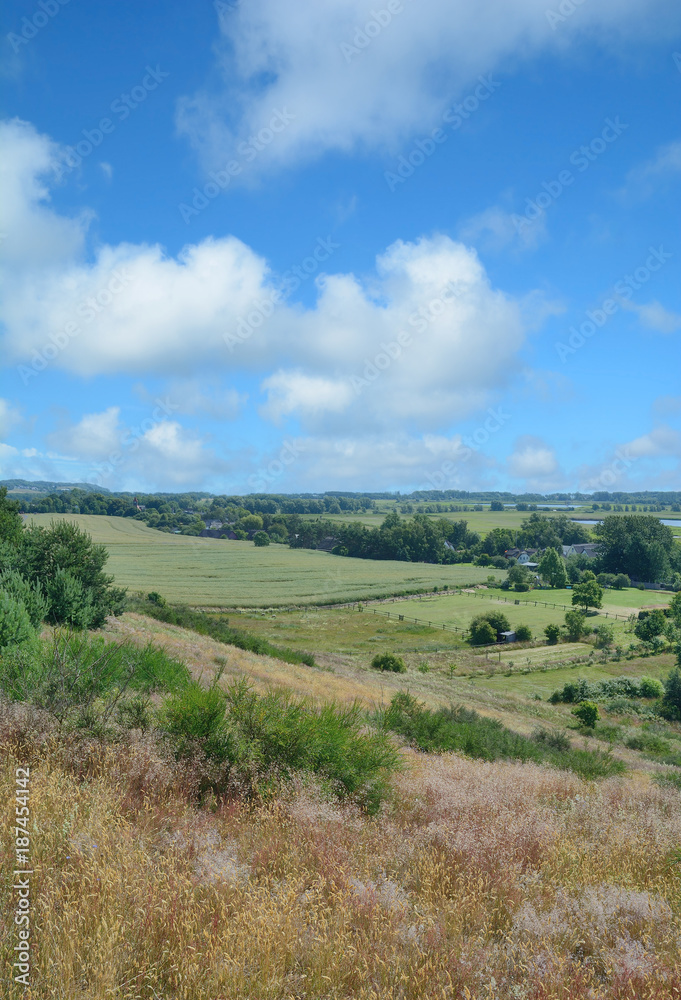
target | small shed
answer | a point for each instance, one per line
(507, 636)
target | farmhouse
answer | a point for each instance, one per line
(588, 549)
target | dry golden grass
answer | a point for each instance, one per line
(478, 880)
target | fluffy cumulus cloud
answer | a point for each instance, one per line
(322, 68)
(424, 339)
(107, 451)
(534, 462)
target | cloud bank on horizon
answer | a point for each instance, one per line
(412, 341)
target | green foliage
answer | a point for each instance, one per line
(616, 687)
(156, 598)
(30, 595)
(587, 713)
(588, 594)
(15, 622)
(636, 544)
(77, 672)
(651, 626)
(63, 564)
(261, 539)
(251, 522)
(605, 636)
(622, 581)
(255, 741)
(552, 633)
(575, 625)
(11, 525)
(519, 577)
(482, 633)
(523, 633)
(462, 730)
(670, 706)
(552, 569)
(389, 661)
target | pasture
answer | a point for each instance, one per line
(212, 572)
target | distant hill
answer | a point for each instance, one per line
(26, 489)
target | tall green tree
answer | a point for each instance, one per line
(588, 594)
(552, 569)
(636, 544)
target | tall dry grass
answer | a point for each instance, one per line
(477, 880)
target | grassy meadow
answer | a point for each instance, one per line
(216, 573)
(476, 880)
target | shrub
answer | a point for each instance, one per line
(30, 595)
(389, 661)
(255, 741)
(523, 633)
(670, 706)
(463, 730)
(156, 598)
(261, 539)
(649, 687)
(70, 603)
(69, 674)
(605, 636)
(587, 713)
(482, 633)
(575, 625)
(552, 633)
(15, 623)
(621, 581)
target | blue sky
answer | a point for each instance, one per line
(264, 247)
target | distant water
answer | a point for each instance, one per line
(671, 522)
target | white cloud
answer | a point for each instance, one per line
(643, 180)
(398, 81)
(534, 461)
(34, 234)
(295, 392)
(424, 340)
(660, 441)
(655, 317)
(9, 417)
(93, 437)
(494, 229)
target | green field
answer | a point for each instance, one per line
(215, 573)
(481, 521)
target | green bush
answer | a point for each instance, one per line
(156, 598)
(261, 539)
(523, 633)
(482, 633)
(30, 595)
(389, 661)
(670, 706)
(15, 622)
(587, 713)
(460, 729)
(256, 741)
(649, 687)
(575, 625)
(75, 672)
(552, 633)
